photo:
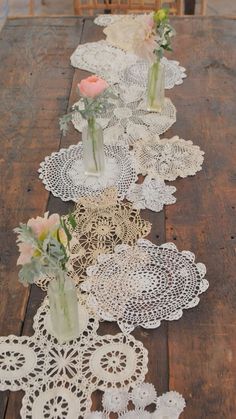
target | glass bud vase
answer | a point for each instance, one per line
(93, 148)
(156, 87)
(63, 308)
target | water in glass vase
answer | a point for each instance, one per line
(93, 148)
(63, 308)
(156, 87)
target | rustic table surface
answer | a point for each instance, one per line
(195, 355)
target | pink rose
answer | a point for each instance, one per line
(26, 252)
(42, 225)
(92, 86)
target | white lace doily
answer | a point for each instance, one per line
(137, 74)
(58, 379)
(167, 158)
(106, 20)
(144, 284)
(56, 399)
(152, 194)
(114, 362)
(117, 66)
(168, 406)
(63, 173)
(126, 123)
(102, 59)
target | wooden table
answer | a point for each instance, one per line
(195, 355)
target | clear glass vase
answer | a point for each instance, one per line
(63, 308)
(156, 87)
(93, 148)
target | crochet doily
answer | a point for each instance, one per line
(102, 59)
(167, 158)
(152, 194)
(168, 406)
(137, 74)
(102, 223)
(126, 123)
(58, 379)
(144, 284)
(118, 66)
(63, 173)
(106, 20)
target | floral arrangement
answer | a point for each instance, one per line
(43, 245)
(94, 98)
(145, 35)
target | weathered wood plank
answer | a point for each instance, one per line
(202, 343)
(35, 81)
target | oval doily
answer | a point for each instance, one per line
(63, 173)
(114, 362)
(137, 74)
(125, 123)
(168, 406)
(152, 194)
(144, 285)
(56, 399)
(167, 158)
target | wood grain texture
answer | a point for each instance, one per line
(196, 354)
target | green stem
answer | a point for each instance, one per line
(92, 134)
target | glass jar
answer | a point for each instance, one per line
(156, 87)
(93, 148)
(63, 307)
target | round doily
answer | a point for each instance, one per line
(63, 173)
(102, 59)
(21, 362)
(167, 158)
(168, 406)
(88, 323)
(106, 20)
(56, 399)
(102, 223)
(143, 285)
(152, 194)
(125, 123)
(114, 362)
(137, 74)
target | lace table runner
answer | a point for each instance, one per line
(167, 158)
(102, 223)
(144, 284)
(63, 173)
(152, 194)
(125, 123)
(168, 406)
(118, 66)
(58, 379)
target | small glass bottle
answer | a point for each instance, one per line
(93, 148)
(156, 87)
(63, 307)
